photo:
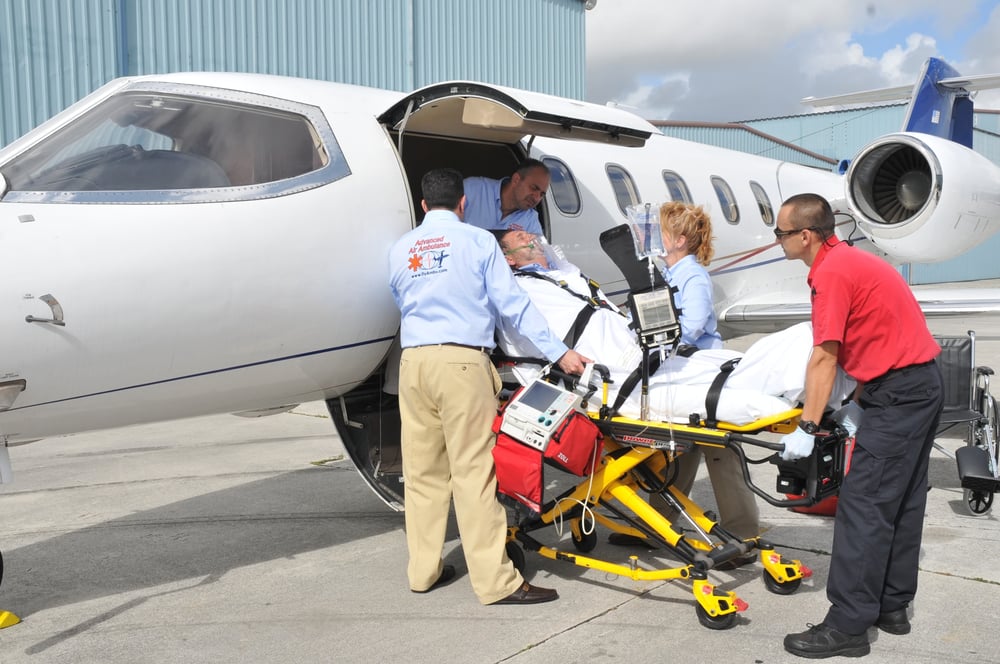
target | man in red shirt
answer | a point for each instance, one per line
(865, 319)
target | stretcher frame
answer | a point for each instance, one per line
(634, 458)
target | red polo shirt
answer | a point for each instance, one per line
(862, 302)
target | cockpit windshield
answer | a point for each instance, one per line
(150, 141)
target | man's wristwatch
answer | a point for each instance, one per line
(808, 426)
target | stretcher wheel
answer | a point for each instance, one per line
(725, 621)
(979, 502)
(779, 587)
(516, 555)
(586, 541)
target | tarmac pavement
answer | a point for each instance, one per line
(225, 539)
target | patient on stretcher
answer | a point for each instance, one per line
(768, 379)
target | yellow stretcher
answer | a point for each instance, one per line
(635, 462)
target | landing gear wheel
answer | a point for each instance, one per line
(979, 502)
(516, 555)
(778, 587)
(724, 621)
(586, 542)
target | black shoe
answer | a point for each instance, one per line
(447, 576)
(894, 622)
(529, 594)
(821, 641)
(737, 562)
(621, 539)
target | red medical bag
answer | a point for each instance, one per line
(575, 446)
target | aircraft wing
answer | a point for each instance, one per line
(968, 83)
(936, 301)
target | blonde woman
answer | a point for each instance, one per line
(687, 238)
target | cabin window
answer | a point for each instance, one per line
(763, 203)
(562, 187)
(726, 199)
(676, 187)
(168, 146)
(623, 185)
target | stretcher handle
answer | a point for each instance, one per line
(572, 380)
(757, 442)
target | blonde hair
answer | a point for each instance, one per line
(691, 221)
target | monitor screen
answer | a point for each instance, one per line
(654, 310)
(540, 396)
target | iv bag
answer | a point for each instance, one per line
(644, 222)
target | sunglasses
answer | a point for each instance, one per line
(778, 233)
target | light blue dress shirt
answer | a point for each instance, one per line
(452, 284)
(482, 208)
(694, 299)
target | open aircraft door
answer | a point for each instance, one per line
(469, 117)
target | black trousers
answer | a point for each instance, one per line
(880, 512)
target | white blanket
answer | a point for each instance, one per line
(769, 379)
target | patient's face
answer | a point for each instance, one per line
(523, 248)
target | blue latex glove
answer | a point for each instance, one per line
(798, 444)
(849, 417)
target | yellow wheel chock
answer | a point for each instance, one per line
(8, 619)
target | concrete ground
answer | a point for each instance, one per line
(225, 539)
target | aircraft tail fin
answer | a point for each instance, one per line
(938, 107)
(940, 101)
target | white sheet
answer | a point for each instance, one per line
(769, 379)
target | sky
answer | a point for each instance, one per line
(732, 60)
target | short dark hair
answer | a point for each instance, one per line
(499, 234)
(529, 165)
(812, 212)
(442, 188)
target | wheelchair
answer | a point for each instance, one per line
(968, 403)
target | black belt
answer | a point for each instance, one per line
(478, 349)
(901, 371)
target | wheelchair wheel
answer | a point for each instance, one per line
(516, 555)
(979, 502)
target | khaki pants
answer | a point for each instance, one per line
(447, 402)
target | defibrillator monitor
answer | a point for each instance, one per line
(535, 412)
(654, 317)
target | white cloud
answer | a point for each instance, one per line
(724, 60)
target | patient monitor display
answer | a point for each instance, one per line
(536, 412)
(655, 317)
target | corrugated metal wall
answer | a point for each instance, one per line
(56, 51)
(536, 44)
(735, 137)
(52, 52)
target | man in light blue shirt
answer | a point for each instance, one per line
(452, 285)
(508, 203)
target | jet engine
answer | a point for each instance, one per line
(923, 199)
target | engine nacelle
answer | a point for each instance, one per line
(923, 199)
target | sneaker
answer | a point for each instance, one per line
(820, 641)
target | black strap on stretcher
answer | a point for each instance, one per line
(593, 303)
(633, 379)
(711, 398)
(715, 391)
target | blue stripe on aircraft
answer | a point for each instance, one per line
(208, 373)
